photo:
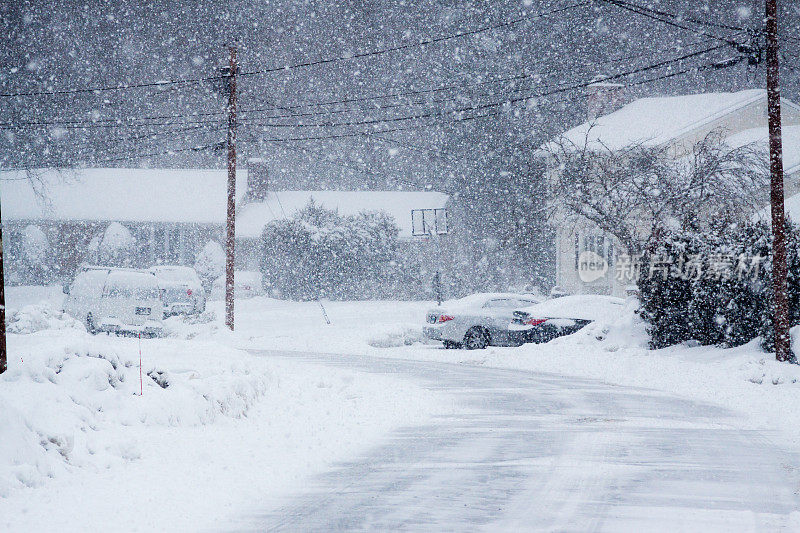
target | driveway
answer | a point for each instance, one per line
(531, 451)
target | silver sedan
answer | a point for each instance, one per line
(477, 321)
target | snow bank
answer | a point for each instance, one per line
(67, 397)
(402, 336)
(33, 318)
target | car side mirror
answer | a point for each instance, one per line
(65, 288)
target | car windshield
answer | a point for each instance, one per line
(135, 285)
(184, 275)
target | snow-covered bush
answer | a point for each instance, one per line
(320, 254)
(117, 246)
(210, 264)
(715, 287)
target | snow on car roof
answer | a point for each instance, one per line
(579, 306)
(131, 278)
(252, 217)
(478, 299)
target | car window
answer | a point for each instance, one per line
(177, 274)
(131, 285)
(501, 303)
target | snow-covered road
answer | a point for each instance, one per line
(531, 451)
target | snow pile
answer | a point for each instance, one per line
(402, 336)
(38, 317)
(67, 399)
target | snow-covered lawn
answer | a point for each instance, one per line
(215, 429)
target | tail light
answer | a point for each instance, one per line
(444, 318)
(188, 292)
(535, 321)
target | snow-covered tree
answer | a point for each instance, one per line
(636, 192)
(116, 248)
(37, 256)
(210, 263)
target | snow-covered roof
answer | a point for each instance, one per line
(252, 217)
(120, 194)
(791, 206)
(658, 120)
(760, 137)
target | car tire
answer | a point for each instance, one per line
(476, 338)
(450, 345)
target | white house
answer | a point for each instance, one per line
(676, 122)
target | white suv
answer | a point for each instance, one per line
(116, 300)
(181, 290)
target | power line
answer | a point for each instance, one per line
(191, 81)
(120, 87)
(677, 17)
(421, 43)
(119, 123)
(639, 10)
(165, 152)
(695, 69)
(493, 104)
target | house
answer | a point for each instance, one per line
(586, 258)
(172, 213)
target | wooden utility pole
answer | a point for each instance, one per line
(230, 241)
(3, 355)
(780, 299)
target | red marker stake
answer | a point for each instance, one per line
(140, 363)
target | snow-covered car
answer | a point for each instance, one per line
(476, 321)
(556, 317)
(181, 290)
(115, 300)
(246, 284)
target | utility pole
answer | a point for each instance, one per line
(3, 355)
(230, 241)
(780, 300)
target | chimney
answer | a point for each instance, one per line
(257, 180)
(603, 98)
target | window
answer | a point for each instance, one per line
(159, 245)
(428, 222)
(597, 243)
(172, 254)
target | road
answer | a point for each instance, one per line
(533, 452)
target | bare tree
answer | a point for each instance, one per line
(635, 192)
